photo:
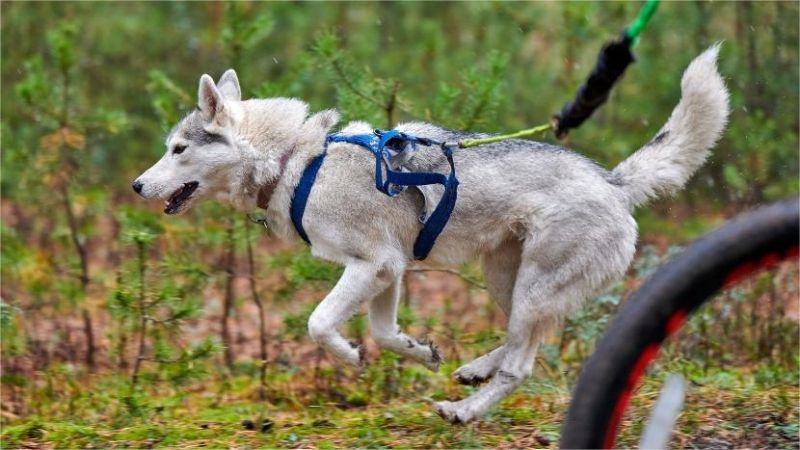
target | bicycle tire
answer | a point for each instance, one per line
(748, 243)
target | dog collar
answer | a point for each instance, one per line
(266, 191)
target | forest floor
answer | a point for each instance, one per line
(734, 400)
(385, 406)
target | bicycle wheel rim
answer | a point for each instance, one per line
(746, 244)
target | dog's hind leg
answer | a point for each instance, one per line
(358, 284)
(383, 325)
(526, 328)
(555, 276)
(500, 271)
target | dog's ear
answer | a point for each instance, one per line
(228, 85)
(209, 98)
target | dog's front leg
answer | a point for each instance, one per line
(383, 325)
(359, 282)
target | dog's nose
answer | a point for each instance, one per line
(137, 186)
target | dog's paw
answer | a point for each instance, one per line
(469, 380)
(359, 356)
(453, 412)
(474, 373)
(433, 359)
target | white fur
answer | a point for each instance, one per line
(693, 128)
(549, 226)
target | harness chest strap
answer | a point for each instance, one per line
(301, 193)
(394, 182)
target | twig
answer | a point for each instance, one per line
(477, 112)
(390, 104)
(350, 85)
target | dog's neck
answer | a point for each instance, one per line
(266, 191)
(278, 140)
(268, 134)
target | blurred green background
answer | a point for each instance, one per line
(110, 304)
(483, 66)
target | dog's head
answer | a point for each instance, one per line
(202, 153)
(228, 149)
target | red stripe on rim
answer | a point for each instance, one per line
(767, 262)
(675, 321)
(645, 358)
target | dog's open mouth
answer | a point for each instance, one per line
(178, 199)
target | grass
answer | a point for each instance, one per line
(347, 409)
(739, 395)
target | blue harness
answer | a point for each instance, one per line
(388, 146)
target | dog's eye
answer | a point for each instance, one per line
(178, 149)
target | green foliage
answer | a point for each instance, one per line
(168, 99)
(34, 88)
(404, 62)
(360, 94)
(243, 30)
(296, 325)
(12, 339)
(483, 91)
(176, 419)
(62, 44)
(301, 268)
(139, 226)
(151, 304)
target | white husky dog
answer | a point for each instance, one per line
(550, 226)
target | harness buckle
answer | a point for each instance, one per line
(259, 220)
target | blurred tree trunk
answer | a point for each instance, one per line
(228, 302)
(74, 231)
(782, 38)
(262, 327)
(569, 46)
(746, 41)
(80, 249)
(142, 332)
(717, 162)
(746, 35)
(701, 26)
(778, 36)
(700, 40)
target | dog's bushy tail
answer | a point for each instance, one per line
(665, 164)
